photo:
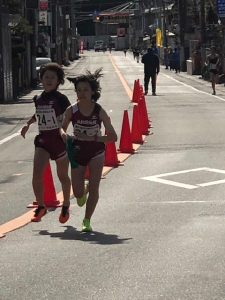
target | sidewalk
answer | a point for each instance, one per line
(28, 97)
(197, 80)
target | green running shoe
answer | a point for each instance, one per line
(86, 226)
(82, 200)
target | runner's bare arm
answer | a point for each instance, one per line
(65, 124)
(111, 134)
(218, 61)
(27, 125)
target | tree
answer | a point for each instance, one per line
(19, 31)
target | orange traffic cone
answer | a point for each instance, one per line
(50, 199)
(138, 84)
(111, 159)
(146, 112)
(140, 90)
(141, 93)
(143, 117)
(49, 188)
(126, 145)
(135, 92)
(136, 133)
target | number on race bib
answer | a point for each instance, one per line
(41, 120)
(47, 119)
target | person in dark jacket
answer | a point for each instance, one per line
(151, 69)
(176, 60)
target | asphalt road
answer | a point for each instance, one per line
(159, 225)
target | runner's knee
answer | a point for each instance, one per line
(78, 190)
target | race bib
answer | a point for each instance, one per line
(213, 66)
(46, 119)
(90, 131)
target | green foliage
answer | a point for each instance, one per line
(18, 30)
(22, 27)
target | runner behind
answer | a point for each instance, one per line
(50, 107)
(87, 117)
(213, 62)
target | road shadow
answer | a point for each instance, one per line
(24, 97)
(95, 237)
(10, 120)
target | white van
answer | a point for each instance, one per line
(99, 46)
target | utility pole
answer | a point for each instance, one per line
(32, 16)
(53, 29)
(182, 18)
(164, 24)
(129, 28)
(73, 27)
(1, 57)
(203, 30)
(203, 35)
(5, 55)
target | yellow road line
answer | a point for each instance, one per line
(126, 86)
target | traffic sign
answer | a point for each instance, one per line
(221, 8)
(43, 4)
(44, 29)
(43, 17)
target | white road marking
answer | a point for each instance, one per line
(184, 202)
(19, 174)
(10, 137)
(157, 178)
(212, 183)
(169, 182)
(216, 170)
(193, 88)
(174, 202)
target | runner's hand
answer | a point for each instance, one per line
(82, 136)
(24, 130)
(65, 136)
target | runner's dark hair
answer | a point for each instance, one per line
(54, 67)
(92, 79)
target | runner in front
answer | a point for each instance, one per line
(88, 145)
(50, 108)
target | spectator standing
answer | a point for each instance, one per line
(151, 69)
(166, 60)
(134, 53)
(137, 55)
(176, 60)
(197, 61)
(155, 50)
(170, 57)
